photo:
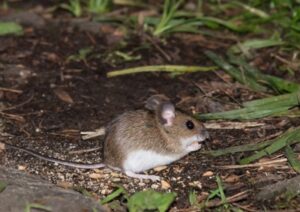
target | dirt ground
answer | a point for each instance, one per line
(47, 100)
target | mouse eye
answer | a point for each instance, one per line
(190, 125)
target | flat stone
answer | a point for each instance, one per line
(22, 189)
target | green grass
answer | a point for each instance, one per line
(288, 138)
(10, 28)
(143, 200)
(30, 206)
(3, 186)
(82, 55)
(99, 6)
(74, 7)
(270, 106)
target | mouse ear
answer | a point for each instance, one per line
(167, 114)
(153, 102)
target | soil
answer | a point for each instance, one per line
(47, 100)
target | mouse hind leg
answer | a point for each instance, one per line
(142, 176)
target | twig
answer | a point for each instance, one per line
(268, 163)
(292, 65)
(11, 90)
(13, 117)
(166, 56)
(93, 134)
(234, 198)
(244, 208)
(84, 151)
(18, 105)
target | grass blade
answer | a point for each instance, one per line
(3, 186)
(7, 28)
(253, 10)
(276, 83)
(169, 12)
(221, 190)
(285, 100)
(235, 149)
(227, 24)
(234, 72)
(113, 195)
(288, 138)
(158, 68)
(270, 106)
(255, 44)
(243, 114)
(292, 158)
(30, 206)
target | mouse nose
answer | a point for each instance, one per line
(205, 133)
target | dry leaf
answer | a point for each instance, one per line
(208, 174)
(63, 95)
(232, 179)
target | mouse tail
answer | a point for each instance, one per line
(58, 161)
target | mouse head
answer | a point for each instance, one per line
(177, 126)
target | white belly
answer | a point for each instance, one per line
(143, 160)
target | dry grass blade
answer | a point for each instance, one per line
(159, 68)
(268, 163)
(231, 199)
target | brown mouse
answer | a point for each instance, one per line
(140, 140)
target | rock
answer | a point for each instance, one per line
(21, 189)
(26, 18)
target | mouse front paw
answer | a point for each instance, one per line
(193, 147)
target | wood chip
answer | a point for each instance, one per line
(232, 179)
(95, 176)
(21, 168)
(2, 147)
(64, 184)
(208, 174)
(196, 184)
(160, 168)
(165, 185)
(93, 134)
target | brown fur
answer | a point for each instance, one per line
(143, 130)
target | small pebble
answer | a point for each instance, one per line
(196, 184)
(21, 168)
(154, 186)
(95, 176)
(165, 185)
(142, 184)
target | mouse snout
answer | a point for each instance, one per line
(204, 133)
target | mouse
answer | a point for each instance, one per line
(139, 140)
